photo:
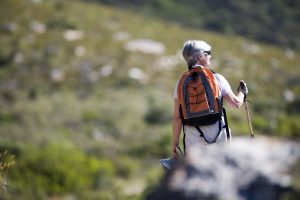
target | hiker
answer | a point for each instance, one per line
(209, 126)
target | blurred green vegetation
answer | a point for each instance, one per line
(275, 21)
(57, 169)
(88, 118)
(7, 160)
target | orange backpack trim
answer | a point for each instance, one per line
(199, 97)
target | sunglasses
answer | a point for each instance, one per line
(207, 52)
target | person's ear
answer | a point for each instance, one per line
(200, 57)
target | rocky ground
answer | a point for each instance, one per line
(258, 169)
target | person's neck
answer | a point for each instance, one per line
(197, 65)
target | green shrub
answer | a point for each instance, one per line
(157, 113)
(261, 124)
(294, 107)
(125, 166)
(56, 169)
(289, 126)
(90, 115)
(8, 117)
(157, 148)
(6, 162)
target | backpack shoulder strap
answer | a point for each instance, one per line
(180, 83)
(226, 124)
(212, 71)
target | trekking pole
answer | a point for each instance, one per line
(248, 118)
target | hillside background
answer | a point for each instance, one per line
(86, 87)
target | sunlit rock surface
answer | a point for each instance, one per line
(258, 169)
(146, 46)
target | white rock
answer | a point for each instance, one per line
(167, 62)
(136, 73)
(72, 35)
(146, 46)
(57, 75)
(80, 50)
(251, 48)
(106, 70)
(233, 171)
(18, 58)
(288, 95)
(121, 36)
(11, 27)
(38, 27)
(290, 54)
(36, 1)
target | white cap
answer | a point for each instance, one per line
(192, 46)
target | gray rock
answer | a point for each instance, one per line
(259, 169)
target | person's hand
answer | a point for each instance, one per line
(243, 88)
(174, 153)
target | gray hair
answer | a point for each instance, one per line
(192, 48)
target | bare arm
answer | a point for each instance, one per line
(234, 100)
(177, 126)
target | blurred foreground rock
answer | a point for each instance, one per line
(259, 169)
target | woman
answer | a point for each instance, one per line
(197, 55)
